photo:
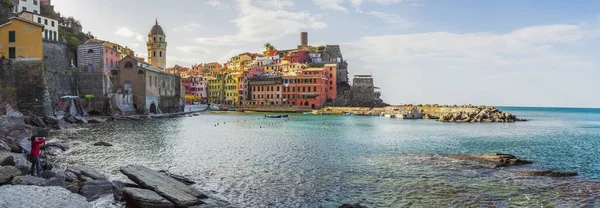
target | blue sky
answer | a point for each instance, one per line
(517, 53)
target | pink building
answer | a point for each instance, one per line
(111, 60)
(195, 86)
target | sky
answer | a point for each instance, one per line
(503, 53)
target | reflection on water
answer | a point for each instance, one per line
(323, 161)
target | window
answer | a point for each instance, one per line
(154, 39)
(140, 72)
(45, 21)
(11, 36)
(24, 9)
(46, 34)
(330, 82)
(91, 51)
(40, 20)
(35, 11)
(55, 36)
(160, 54)
(314, 89)
(12, 53)
(90, 67)
(154, 54)
(277, 88)
(303, 89)
(130, 65)
(150, 81)
(330, 75)
(34, 2)
(308, 89)
(155, 81)
(52, 23)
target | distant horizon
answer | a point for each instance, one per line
(536, 53)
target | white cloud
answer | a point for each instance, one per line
(260, 24)
(189, 27)
(276, 4)
(217, 3)
(193, 50)
(126, 32)
(393, 20)
(331, 4)
(487, 68)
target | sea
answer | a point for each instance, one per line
(247, 160)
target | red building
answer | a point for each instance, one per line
(265, 91)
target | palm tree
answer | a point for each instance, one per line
(268, 46)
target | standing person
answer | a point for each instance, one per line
(35, 154)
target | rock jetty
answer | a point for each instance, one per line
(480, 114)
(493, 160)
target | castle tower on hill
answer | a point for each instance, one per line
(157, 47)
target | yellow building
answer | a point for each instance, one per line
(237, 62)
(231, 89)
(21, 39)
(216, 88)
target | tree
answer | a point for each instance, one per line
(6, 7)
(269, 47)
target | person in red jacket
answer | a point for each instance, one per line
(35, 154)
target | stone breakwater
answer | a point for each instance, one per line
(443, 113)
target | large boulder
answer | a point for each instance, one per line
(74, 187)
(7, 173)
(71, 177)
(29, 180)
(494, 160)
(175, 191)
(37, 121)
(61, 144)
(34, 196)
(118, 187)
(51, 120)
(55, 176)
(180, 178)
(95, 189)
(145, 198)
(81, 170)
(22, 163)
(6, 159)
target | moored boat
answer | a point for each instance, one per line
(284, 116)
(273, 116)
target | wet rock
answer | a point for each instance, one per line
(352, 206)
(81, 170)
(103, 143)
(547, 173)
(494, 160)
(33, 196)
(95, 189)
(6, 159)
(73, 187)
(29, 180)
(63, 145)
(70, 119)
(118, 187)
(145, 198)
(175, 191)
(71, 177)
(96, 120)
(180, 178)
(7, 173)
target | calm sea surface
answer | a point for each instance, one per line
(323, 161)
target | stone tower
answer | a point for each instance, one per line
(157, 47)
(303, 39)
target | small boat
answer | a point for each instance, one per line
(413, 114)
(284, 116)
(306, 113)
(346, 113)
(240, 110)
(195, 114)
(273, 116)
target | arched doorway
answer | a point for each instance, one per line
(152, 108)
(306, 103)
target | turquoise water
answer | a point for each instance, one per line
(323, 161)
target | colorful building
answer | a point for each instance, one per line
(195, 86)
(50, 25)
(216, 88)
(26, 5)
(231, 89)
(20, 39)
(265, 90)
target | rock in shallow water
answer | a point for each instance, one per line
(35, 196)
(175, 191)
(145, 198)
(352, 206)
(103, 143)
(494, 160)
(95, 189)
(547, 173)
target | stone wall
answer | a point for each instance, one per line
(60, 75)
(27, 77)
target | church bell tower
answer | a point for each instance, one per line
(157, 47)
